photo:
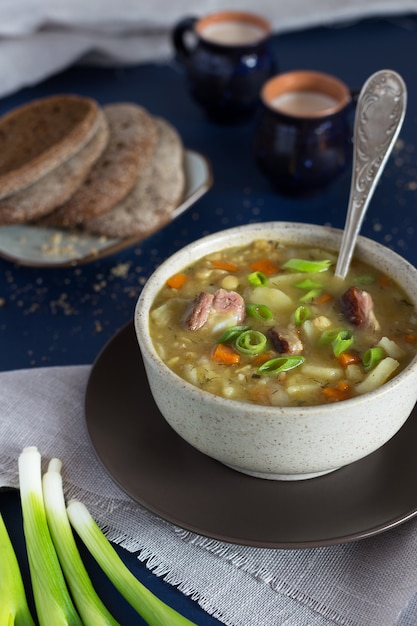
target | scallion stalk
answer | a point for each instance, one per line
(280, 364)
(54, 606)
(305, 265)
(90, 607)
(152, 609)
(14, 609)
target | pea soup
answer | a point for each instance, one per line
(270, 324)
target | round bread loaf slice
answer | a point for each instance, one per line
(131, 143)
(157, 193)
(51, 190)
(40, 135)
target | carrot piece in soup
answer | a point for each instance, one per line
(265, 266)
(177, 281)
(384, 281)
(335, 394)
(347, 358)
(323, 298)
(410, 337)
(228, 266)
(225, 354)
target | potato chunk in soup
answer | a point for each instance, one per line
(271, 324)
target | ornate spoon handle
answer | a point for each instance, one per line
(379, 116)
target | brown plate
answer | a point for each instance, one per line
(152, 464)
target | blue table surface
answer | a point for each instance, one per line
(66, 316)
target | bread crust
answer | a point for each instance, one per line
(157, 193)
(38, 136)
(129, 149)
(56, 186)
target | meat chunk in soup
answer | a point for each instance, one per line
(227, 307)
(358, 308)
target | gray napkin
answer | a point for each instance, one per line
(372, 582)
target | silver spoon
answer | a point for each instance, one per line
(379, 116)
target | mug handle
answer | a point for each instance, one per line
(183, 27)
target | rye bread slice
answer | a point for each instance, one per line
(51, 190)
(40, 135)
(131, 143)
(157, 193)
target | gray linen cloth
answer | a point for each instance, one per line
(372, 582)
(39, 38)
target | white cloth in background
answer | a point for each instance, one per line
(39, 38)
(364, 583)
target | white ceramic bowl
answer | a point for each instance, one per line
(284, 443)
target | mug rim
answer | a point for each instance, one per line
(306, 80)
(236, 16)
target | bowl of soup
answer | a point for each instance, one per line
(259, 357)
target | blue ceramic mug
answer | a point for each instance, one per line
(303, 140)
(227, 58)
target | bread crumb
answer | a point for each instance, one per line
(121, 270)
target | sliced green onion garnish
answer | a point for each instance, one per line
(260, 312)
(301, 314)
(372, 357)
(257, 279)
(308, 283)
(251, 342)
(304, 265)
(364, 279)
(342, 341)
(231, 333)
(153, 610)
(310, 295)
(14, 608)
(329, 335)
(280, 364)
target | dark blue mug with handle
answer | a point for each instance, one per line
(303, 139)
(227, 58)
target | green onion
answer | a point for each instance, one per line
(251, 342)
(280, 364)
(303, 265)
(328, 336)
(372, 357)
(301, 314)
(154, 611)
(310, 295)
(91, 608)
(342, 341)
(14, 609)
(260, 312)
(257, 279)
(308, 283)
(364, 279)
(231, 333)
(53, 603)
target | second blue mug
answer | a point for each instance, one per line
(303, 140)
